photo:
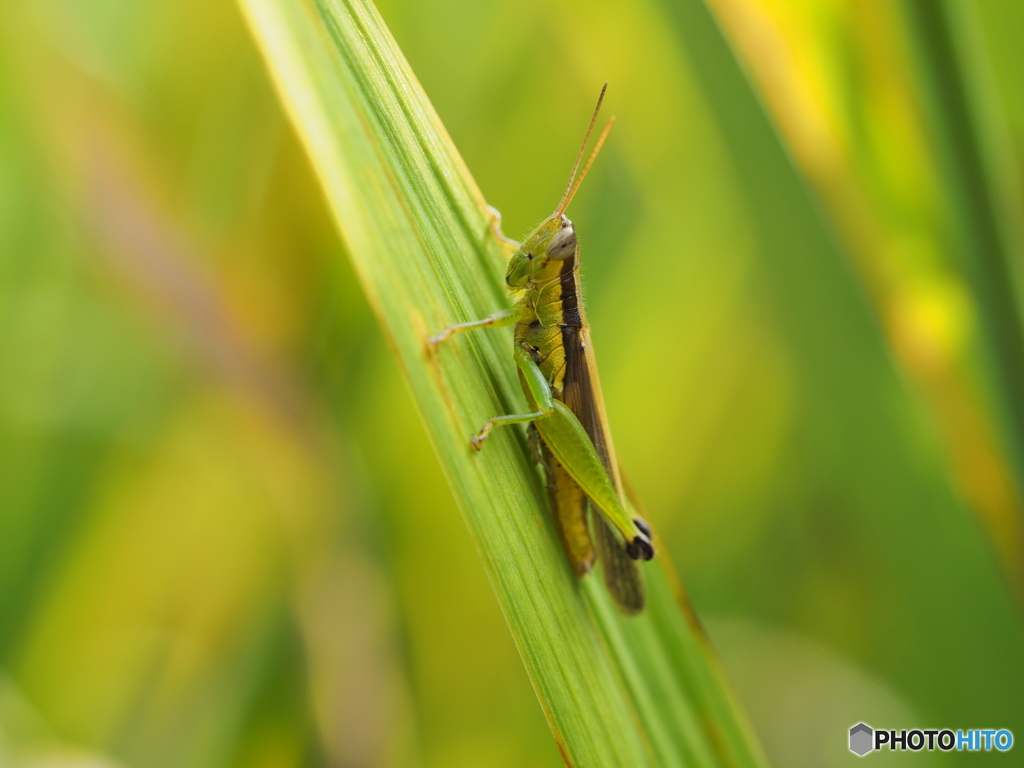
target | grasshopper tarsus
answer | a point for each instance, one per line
(477, 440)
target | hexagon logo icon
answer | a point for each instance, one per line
(861, 739)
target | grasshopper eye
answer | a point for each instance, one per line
(563, 244)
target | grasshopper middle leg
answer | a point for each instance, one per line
(540, 391)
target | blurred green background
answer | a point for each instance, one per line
(224, 540)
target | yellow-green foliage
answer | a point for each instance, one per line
(224, 537)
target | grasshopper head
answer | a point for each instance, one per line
(539, 259)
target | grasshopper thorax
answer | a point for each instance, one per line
(540, 258)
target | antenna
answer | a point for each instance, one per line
(574, 183)
(590, 162)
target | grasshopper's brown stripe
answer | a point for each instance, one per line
(569, 282)
(578, 386)
(580, 393)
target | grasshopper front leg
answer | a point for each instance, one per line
(495, 216)
(563, 433)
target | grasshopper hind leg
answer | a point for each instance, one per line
(569, 507)
(641, 548)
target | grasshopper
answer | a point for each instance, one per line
(568, 428)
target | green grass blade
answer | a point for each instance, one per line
(980, 194)
(415, 226)
(917, 550)
(673, 678)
